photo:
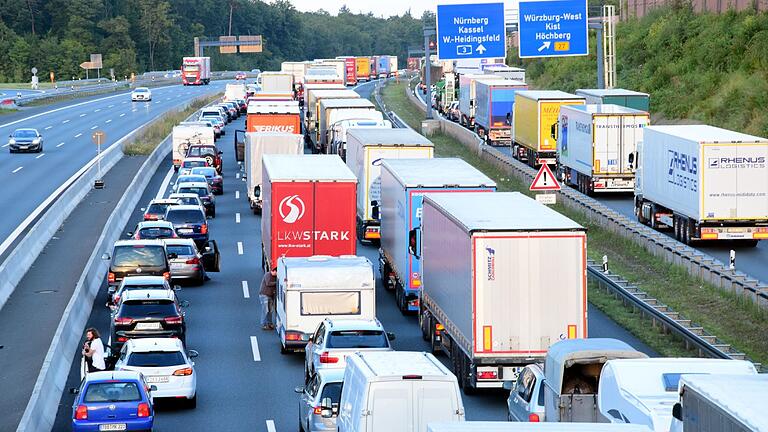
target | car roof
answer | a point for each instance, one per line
(112, 376)
(185, 207)
(143, 280)
(208, 168)
(141, 88)
(194, 184)
(354, 324)
(194, 159)
(145, 242)
(184, 195)
(180, 241)
(151, 294)
(190, 175)
(154, 224)
(163, 201)
(25, 129)
(155, 344)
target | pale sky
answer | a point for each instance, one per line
(385, 8)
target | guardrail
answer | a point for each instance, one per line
(396, 121)
(695, 262)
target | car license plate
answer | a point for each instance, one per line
(148, 326)
(176, 266)
(23, 147)
(185, 230)
(113, 427)
(157, 379)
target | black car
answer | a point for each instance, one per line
(148, 313)
(137, 258)
(28, 140)
(189, 222)
(204, 192)
(212, 176)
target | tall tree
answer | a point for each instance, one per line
(155, 23)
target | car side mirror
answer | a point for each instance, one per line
(184, 303)
(177, 287)
(173, 255)
(143, 209)
(298, 389)
(677, 411)
(193, 353)
(153, 388)
(221, 152)
(74, 390)
(106, 257)
(207, 249)
(129, 234)
(326, 407)
(391, 336)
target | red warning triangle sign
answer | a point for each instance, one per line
(545, 180)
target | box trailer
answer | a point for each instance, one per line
(508, 72)
(333, 111)
(308, 207)
(337, 141)
(726, 403)
(295, 68)
(350, 70)
(403, 185)
(314, 288)
(703, 182)
(273, 82)
(366, 148)
(196, 70)
(257, 144)
(273, 117)
(495, 101)
(504, 277)
(627, 98)
(534, 131)
(363, 68)
(374, 71)
(234, 92)
(322, 74)
(184, 136)
(312, 105)
(468, 97)
(597, 145)
(383, 67)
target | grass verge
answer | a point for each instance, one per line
(148, 139)
(731, 318)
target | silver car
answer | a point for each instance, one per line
(187, 199)
(326, 384)
(188, 264)
(526, 399)
(139, 283)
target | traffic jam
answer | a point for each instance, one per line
(326, 173)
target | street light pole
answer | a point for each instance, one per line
(428, 31)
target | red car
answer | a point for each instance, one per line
(240, 76)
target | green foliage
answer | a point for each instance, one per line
(135, 36)
(703, 67)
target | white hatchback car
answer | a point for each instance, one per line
(165, 364)
(141, 94)
(334, 340)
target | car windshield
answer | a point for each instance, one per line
(201, 151)
(139, 255)
(112, 392)
(156, 359)
(185, 216)
(158, 209)
(358, 339)
(143, 287)
(147, 308)
(206, 171)
(190, 201)
(194, 164)
(24, 133)
(151, 233)
(181, 250)
(333, 391)
(200, 191)
(191, 178)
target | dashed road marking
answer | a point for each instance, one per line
(48, 127)
(78, 135)
(237, 194)
(65, 122)
(110, 106)
(17, 170)
(40, 155)
(108, 121)
(237, 217)
(82, 115)
(59, 145)
(237, 176)
(122, 115)
(97, 110)
(94, 127)
(134, 110)
(271, 426)
(246, 292)
(239, 248)
(255, 349)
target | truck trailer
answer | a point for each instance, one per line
(366, 148)
(337, 140)
(312, 106)
(333, 111)
(273, 117)
(627, 98)
(494, 105)
(597, 145)
(308, 207)
(508, 72)
(534, 132)
(278, 83)
(257, 144)
(468, 97)
(504, 278)
(196, 70)
(703, 182)
(363, 68)
(403, 185)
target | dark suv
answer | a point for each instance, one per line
(148, 313)
(208, 152)
(137, 258)
(189, 222)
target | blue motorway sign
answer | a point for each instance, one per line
(466, 31)
(555, 28)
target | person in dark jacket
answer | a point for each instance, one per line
(267, 296)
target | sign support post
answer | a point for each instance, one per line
(98, 137)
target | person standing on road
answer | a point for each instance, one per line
(267, 296)
(93, 351)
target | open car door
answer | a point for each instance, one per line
(239, 145)
(211, 256)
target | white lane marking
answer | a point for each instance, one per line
(59, 145)
(48, 127)
(40, 155)
(78, 135)
(97, 110)
(94, 127)
(65, 122)
(125, 101)
(108, 121)
(6, 145)
(237, 176)
(255, 349)
(164, 184)
(134, 110)
(122, 115)
(167, 98)
(17, 170)
(239, 248)
(59, 109)
(82, 115)
(237, 194)
(271, 426)
(246, 292)
(110, 106)
(237, 217)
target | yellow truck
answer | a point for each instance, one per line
(535, 124)
(363, 68)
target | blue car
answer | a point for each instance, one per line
(113, 401)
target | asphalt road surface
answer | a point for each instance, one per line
(244, 383)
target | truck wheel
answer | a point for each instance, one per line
(423, 321)
(676, 223)
(434, 348)
(466, 378)
(685, 228)
(653, 222)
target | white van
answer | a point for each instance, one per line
(318, 287)
(396, 391)
(490, 426)
(643, 391)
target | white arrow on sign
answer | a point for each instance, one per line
(544, 46)
(480, 48)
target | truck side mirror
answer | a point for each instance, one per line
(375, 209)
(553, 130)
(413, 243)
(631, 160)
(677, 411)
(257, 191)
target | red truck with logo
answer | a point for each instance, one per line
(350, 71)
(308, 207)
(273, 116)
(196, 70)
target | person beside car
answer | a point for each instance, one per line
(93, 351)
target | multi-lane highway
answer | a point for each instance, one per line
(244, 383)
(29, 178)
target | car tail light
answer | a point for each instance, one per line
(167, 275)
(150, 217)
(143, 410)
(326, 358)
(194, 260)
(183, 372)
(110, 277)
(173, 320)
(123, 321)
(122, 339)
(204, 229)
(486, 375)
(533, 418)
(291, 336)
(318, 410)
(81, 413)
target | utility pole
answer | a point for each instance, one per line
(428, 31)
(231, 7)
